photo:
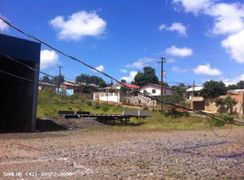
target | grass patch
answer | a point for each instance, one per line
(50, 104)
(159, 121)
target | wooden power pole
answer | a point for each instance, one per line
(162, 61)
(59, 77)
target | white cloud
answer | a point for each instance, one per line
(171, 60)
(194, 6)
(130, 77)
(48, 58)
(140, 63)
(206, 69)
(123, 70)
(234, 44)
(178, 27)
(178, 69)
(78, 25)
(234, 80)
(228, 18)
(179, 52)
(3, 26)
(100, 68)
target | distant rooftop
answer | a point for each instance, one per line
(236, 90)
(131, 86)
(155, 86)
(196, 88)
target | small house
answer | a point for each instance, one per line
(130, 86)
(155, 90)
(107, 95)
(193, 91)
(69, 88)
(45, 85)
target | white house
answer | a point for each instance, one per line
(155, 90)
(111, 96)
(193, 91)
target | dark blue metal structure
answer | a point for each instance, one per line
(18, 97)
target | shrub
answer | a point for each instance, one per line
(89, 103)
(105, 108)
(96, 105)
(221, 121)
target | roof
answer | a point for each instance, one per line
(70, 84)
(158, 86)
(20, 48)
(41, 83)
(236, 90)
(131, 86)
(196, 88)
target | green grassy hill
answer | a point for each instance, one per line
(50, 103)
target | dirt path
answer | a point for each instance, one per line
(107, 154)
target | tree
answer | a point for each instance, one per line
(97, 80)
(226, 103)
(177, 96)
(123, 81)
(57, 80)
(240, 85)
(213, 89)
(232, 87)
(147, 76)
(85, 78)
(45, 79)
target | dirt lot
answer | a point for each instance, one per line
(108, 153)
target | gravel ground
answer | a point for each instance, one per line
(102, 153)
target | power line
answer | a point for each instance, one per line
(162, 102)
(59, 51)
(105, 74)
(28, 67)
(15, 76)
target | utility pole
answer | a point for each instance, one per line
(193, 88)
(162, 61)
(59, 77)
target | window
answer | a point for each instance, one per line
(153, 91)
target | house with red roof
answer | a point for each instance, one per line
(112, 94)
(130, 86)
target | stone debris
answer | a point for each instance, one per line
(111, 154)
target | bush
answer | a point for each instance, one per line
(96, 105)
(221, 121)
(226, 104)
(105, 108)
(89, 103)
(217, 122)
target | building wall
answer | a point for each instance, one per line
(107, 97)
(18, 97)
(167, 92)
(210, 104)
(141, 101)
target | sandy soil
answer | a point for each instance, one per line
(108, 154)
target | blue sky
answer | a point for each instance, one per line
(201, 39)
